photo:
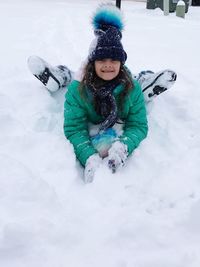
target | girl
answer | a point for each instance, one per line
(104, 94)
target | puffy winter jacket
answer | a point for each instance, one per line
(79, 111)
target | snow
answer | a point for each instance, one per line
(181, 3)
(147, 214)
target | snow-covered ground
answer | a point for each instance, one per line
(148, 214)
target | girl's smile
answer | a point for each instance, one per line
(107, 69)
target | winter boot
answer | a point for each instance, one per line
(52, 77)
(153, 84)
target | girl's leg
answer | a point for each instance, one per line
(153, 84)
(53, 78)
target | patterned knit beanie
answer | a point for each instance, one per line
(108, 24)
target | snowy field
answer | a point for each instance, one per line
(146, 215)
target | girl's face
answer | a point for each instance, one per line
(107, 69)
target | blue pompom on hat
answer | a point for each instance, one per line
(108, 24)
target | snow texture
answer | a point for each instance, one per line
(145, 215)
(181, 3)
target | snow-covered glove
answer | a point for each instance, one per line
(91, 166)
(117, 156)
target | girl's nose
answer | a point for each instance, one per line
(107, 64)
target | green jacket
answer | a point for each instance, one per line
(79, 110)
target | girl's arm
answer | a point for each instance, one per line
(136, 126)
(76, 124)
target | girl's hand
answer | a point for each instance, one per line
(92, 164)
(117, 156)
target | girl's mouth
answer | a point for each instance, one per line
(107, 71)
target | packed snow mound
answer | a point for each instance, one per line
(147, 214)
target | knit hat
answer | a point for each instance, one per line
(108, 24)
